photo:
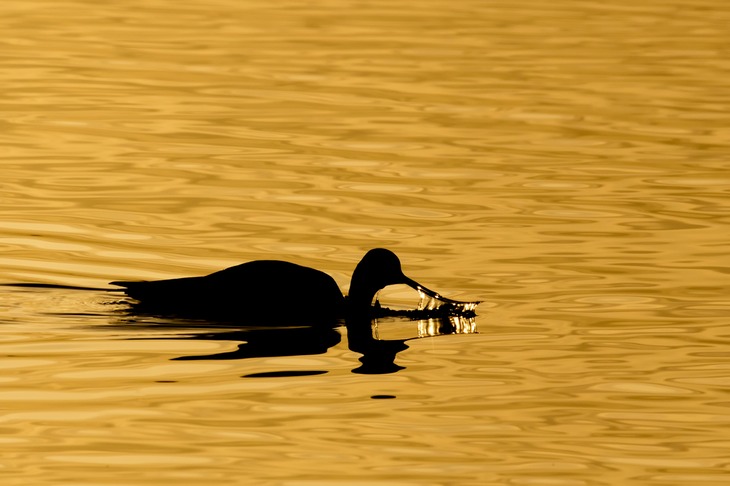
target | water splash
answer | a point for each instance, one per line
(452, 325)
(435, 302)
(431, 305)
(426, 327)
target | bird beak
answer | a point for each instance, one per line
(434, 295)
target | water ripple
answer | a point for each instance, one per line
(563, 161)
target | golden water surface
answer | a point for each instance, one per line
(566, 162)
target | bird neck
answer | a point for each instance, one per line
(360, 297)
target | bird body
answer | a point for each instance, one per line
(272, 290)
(253, 289)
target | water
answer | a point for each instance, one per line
(564, 162)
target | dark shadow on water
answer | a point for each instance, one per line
(378, 356)
(261, 342)
(272, 339)
(283, 374)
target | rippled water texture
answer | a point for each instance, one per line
(565, 162)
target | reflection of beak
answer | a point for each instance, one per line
(434, 295)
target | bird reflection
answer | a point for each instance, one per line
(266, 342)
(378, 356)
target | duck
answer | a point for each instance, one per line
(274, 290)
